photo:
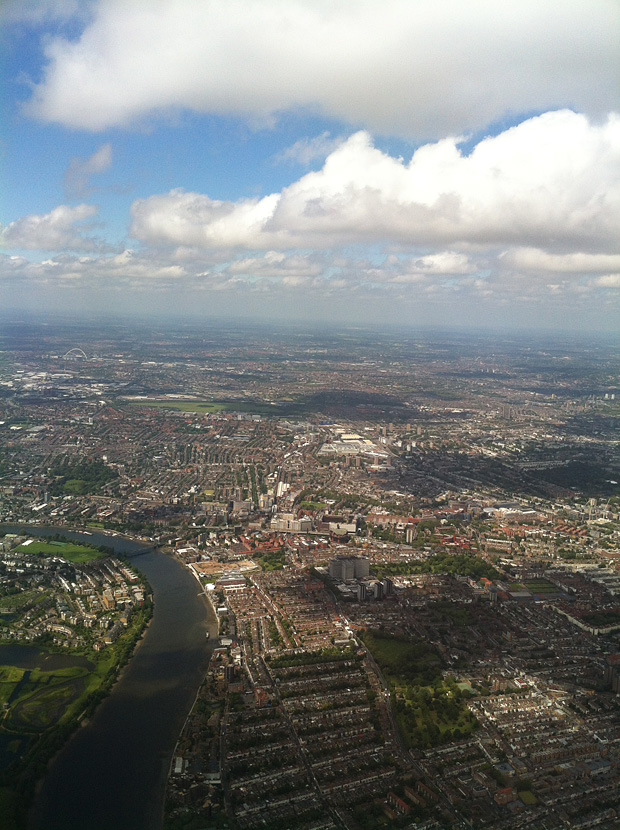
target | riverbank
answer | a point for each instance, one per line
(44, 706)
(113, 771)
(209, 598)
(22, 781)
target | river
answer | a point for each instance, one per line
(112, 773)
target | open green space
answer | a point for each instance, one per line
(78, 478)
(588, 478)
(70, 551)
(209, 407)
(440, 563)
(13, 602)
(313, 505)
(429, 709)
(404, 660)
(541, 586)
(183, 406)
(273, 561)
(10, 676)
(602, 619)
(310, 658)
(369, 405)
(444, 611)
(37, 698)
(45, 706)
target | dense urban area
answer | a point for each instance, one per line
(410, 543)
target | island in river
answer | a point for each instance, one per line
(120, 756)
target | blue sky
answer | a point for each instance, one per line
(441, 163)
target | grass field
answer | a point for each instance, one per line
(10, 676)
(183, 406)
(428, 709)
(602, 619)
(80, 554)
(541, 586)
(400, 658)
(12, 602)
(45, 706)
(208, 407)
(313, 505)
(41, 696)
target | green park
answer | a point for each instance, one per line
(429, 708)
(72, 552)
(206, 407)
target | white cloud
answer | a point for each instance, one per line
(550, 182)
(52, 231)
(409, 278)
(447, 268)
(405, 67)
(447, 262)
(278, 265)
(126, 268)
(609, 281)
(302, 286)
(191, 219)
(307, 150)
(533, 259)
(80, 170)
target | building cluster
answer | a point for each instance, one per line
(327, 496)
(45, 598)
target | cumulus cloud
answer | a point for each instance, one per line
(278, 265)
(550, 182)
(128, 266)
(533, 259)
(609, 281)
(136, 281)
(191, 219)
(146, 271)
(52, 231)
(124, 269)
(80, 170)
(405, 67)
(307, 150)
(446, 262)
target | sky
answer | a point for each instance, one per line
(344, 161)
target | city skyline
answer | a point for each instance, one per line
(409, 163)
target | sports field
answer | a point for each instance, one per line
(208, 407)
(541, 586)
(70, 551)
